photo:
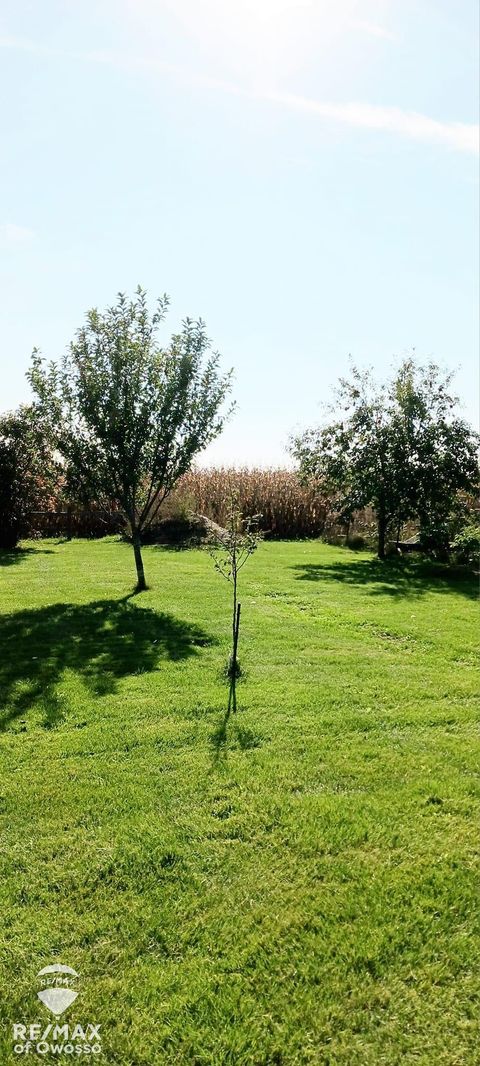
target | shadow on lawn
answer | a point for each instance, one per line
(102, 642)
(393, 577)
(19, 555)
(226, 737)
(219, 738)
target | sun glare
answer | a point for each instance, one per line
(257, 43)
(261, 40)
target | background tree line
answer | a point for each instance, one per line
(116, 425)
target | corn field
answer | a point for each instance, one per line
(286, 508)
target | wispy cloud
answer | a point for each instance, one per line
(373, 29)
(412, 125)
(459, 136)
(12, 235)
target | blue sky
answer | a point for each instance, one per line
(303, 174)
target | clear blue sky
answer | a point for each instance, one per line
(300, 173)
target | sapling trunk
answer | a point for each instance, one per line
(232, 700)
(229, 555)
(234, 612)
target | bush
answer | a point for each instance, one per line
(434, 539)
(466, 544)
(356, 542)
(178, 530)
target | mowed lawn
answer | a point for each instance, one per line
(296, 884)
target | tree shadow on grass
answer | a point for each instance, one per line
(102, 641)
(226, 736)
(219, 738)
(393, 577)
(18, 555)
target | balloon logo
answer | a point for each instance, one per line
(57, 996)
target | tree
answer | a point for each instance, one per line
(130, 416)
(28, 471)
(398, 447)
(230, 553)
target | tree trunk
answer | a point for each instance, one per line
(382, 532)
(141, 583)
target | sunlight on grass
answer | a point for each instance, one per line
(293, 884)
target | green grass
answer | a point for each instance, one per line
(296, 884)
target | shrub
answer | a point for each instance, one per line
(178, 529)
(466, 544)
(356, 542)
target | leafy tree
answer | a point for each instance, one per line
(28, 472)
(130, 415)
(398, 447)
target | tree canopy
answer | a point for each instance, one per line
(129, 416)
(399, 447)
(28, 471)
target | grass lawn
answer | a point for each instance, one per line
(296, 884)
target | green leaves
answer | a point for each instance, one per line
(238, 542)
(129, 415)
(29, 471)
(398, 447)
